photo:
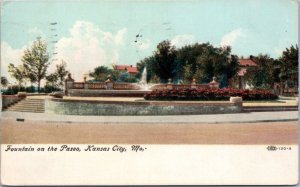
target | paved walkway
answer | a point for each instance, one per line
(251, 117)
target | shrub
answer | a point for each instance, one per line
(30, 89)
(57, 94)
(210, 94)
(13, 90)
(49, 89)
(22, 95)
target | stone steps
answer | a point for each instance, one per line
(28, 105)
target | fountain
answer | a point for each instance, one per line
(127, 99)
(144, 76)
(143, 83)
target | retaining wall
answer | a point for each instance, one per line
(111, 108)
(8, 100)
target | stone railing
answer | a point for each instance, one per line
(179, 86)
(78, 85)
(159, 87)
(98, 85)
(290, 91)
(125, 86)
(203, 86)
(70, 85)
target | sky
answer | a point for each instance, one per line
(94, 33)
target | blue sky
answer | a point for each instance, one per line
(93, 33)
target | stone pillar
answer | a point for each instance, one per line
(193, 85)
(169, 85)
(237, 100)
(68, 84)
(86, 86)
(109, 83)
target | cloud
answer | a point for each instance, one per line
(230, 38)
(182, 40)
(9, 55)
(88, 47)
(144, 45)
(36, 31)
(119, 39)
(277, 51)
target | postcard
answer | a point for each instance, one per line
(148, 92)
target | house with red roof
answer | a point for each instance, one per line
(126, 68)
(245, 66)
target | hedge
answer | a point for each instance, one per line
(210, 94)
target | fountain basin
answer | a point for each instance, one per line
(140, 107)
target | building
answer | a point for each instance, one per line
(245, 65)
(126, 68)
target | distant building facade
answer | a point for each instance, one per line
(126, 68)
(240, 80)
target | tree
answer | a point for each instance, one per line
(165, 56)
(148, 63)
(199, 61)
(4, 82)
(52, 80)
(218, 62)
(17, 73)
(262, 76)
(187, 56)
(126, 77)
(35, 61)
(188, 74)
(100, 73)
(61, 73)
(289, 66)
(204, 61)
(55, 80)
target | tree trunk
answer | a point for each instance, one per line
(39, 86)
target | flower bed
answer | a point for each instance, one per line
(210, 94)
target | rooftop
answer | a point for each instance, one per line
(247, 62)
(128, 68)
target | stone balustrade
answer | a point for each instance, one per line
(78, 85)
(70, 84)
(103, 86)
(98, 85)
(125, 86)
(179, 86)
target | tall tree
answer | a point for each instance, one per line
(17, 73)
(263, 77)
(187, 55)
(56, 79)
(289, 66)
(61, 72)
(36, 61)
(218, 62)
(165, 56)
